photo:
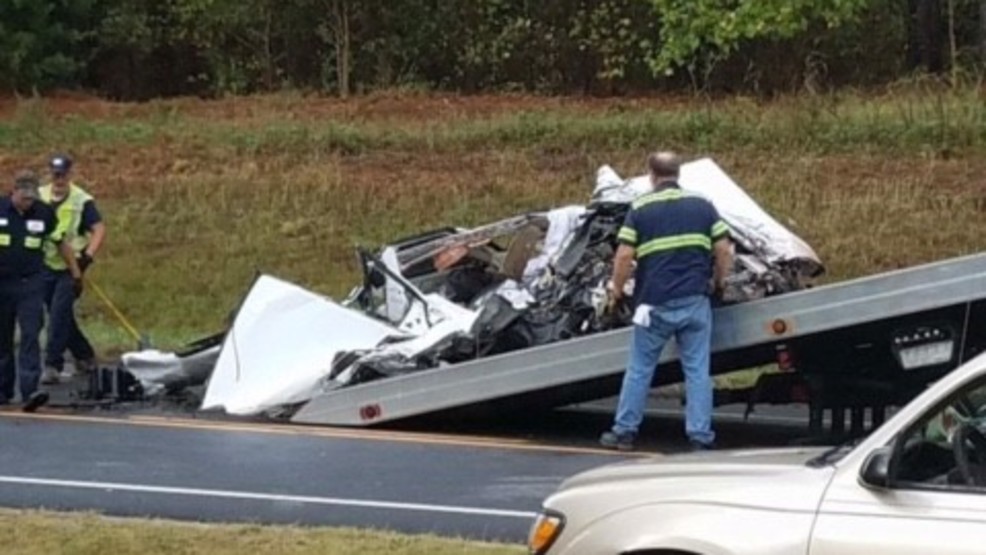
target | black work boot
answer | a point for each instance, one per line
(698, 446)
(613, 440)
(35, 401)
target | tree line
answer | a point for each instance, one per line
(139, 49)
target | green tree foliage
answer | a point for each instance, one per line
(696, 31)
(147, 48)
(44, 44)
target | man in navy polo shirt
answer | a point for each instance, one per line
(683, 255)
(25, 226)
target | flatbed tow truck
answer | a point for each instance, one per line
(866, 344)
(863, 344)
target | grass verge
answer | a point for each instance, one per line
(37, 533)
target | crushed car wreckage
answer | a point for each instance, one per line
(453, 295)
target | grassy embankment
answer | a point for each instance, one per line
(38, 533)
(199, 195)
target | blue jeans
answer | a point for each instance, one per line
(689, 321)
(63, 329)
(21, 305)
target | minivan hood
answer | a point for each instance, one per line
(773, 479)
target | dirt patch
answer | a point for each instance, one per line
(383, 106)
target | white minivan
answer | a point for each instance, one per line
(915, 486)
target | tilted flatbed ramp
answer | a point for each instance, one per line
(745, 336)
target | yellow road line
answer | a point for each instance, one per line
(311, 431)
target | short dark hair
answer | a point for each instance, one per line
(26, 178)
(664, 164)
(26, 182)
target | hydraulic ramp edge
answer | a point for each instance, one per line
(909, 291)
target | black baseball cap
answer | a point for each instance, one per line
(60, 164)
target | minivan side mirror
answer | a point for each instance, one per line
(876, 468)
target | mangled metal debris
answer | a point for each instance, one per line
(281, 344)
(160, 372)
(453, 295)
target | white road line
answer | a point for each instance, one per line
(255, 496)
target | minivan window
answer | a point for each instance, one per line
(947, 449)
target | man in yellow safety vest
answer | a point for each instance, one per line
(83, 227)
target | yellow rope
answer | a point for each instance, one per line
(116, 312)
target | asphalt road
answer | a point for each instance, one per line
(476, 480)
(417, 483)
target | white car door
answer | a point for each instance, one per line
(933, 499)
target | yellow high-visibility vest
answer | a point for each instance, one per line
(69, 215)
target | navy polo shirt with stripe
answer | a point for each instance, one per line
(672, 232)
(22, 237)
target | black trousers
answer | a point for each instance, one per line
(63, 329)
(21, 304)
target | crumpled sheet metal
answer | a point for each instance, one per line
(281, 344)
(562, 223)
(430, 320)
(285, 339)
(158, 371)
(777, 243)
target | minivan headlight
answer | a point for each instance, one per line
(545, 530)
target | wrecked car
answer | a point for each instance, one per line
(453, 294)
